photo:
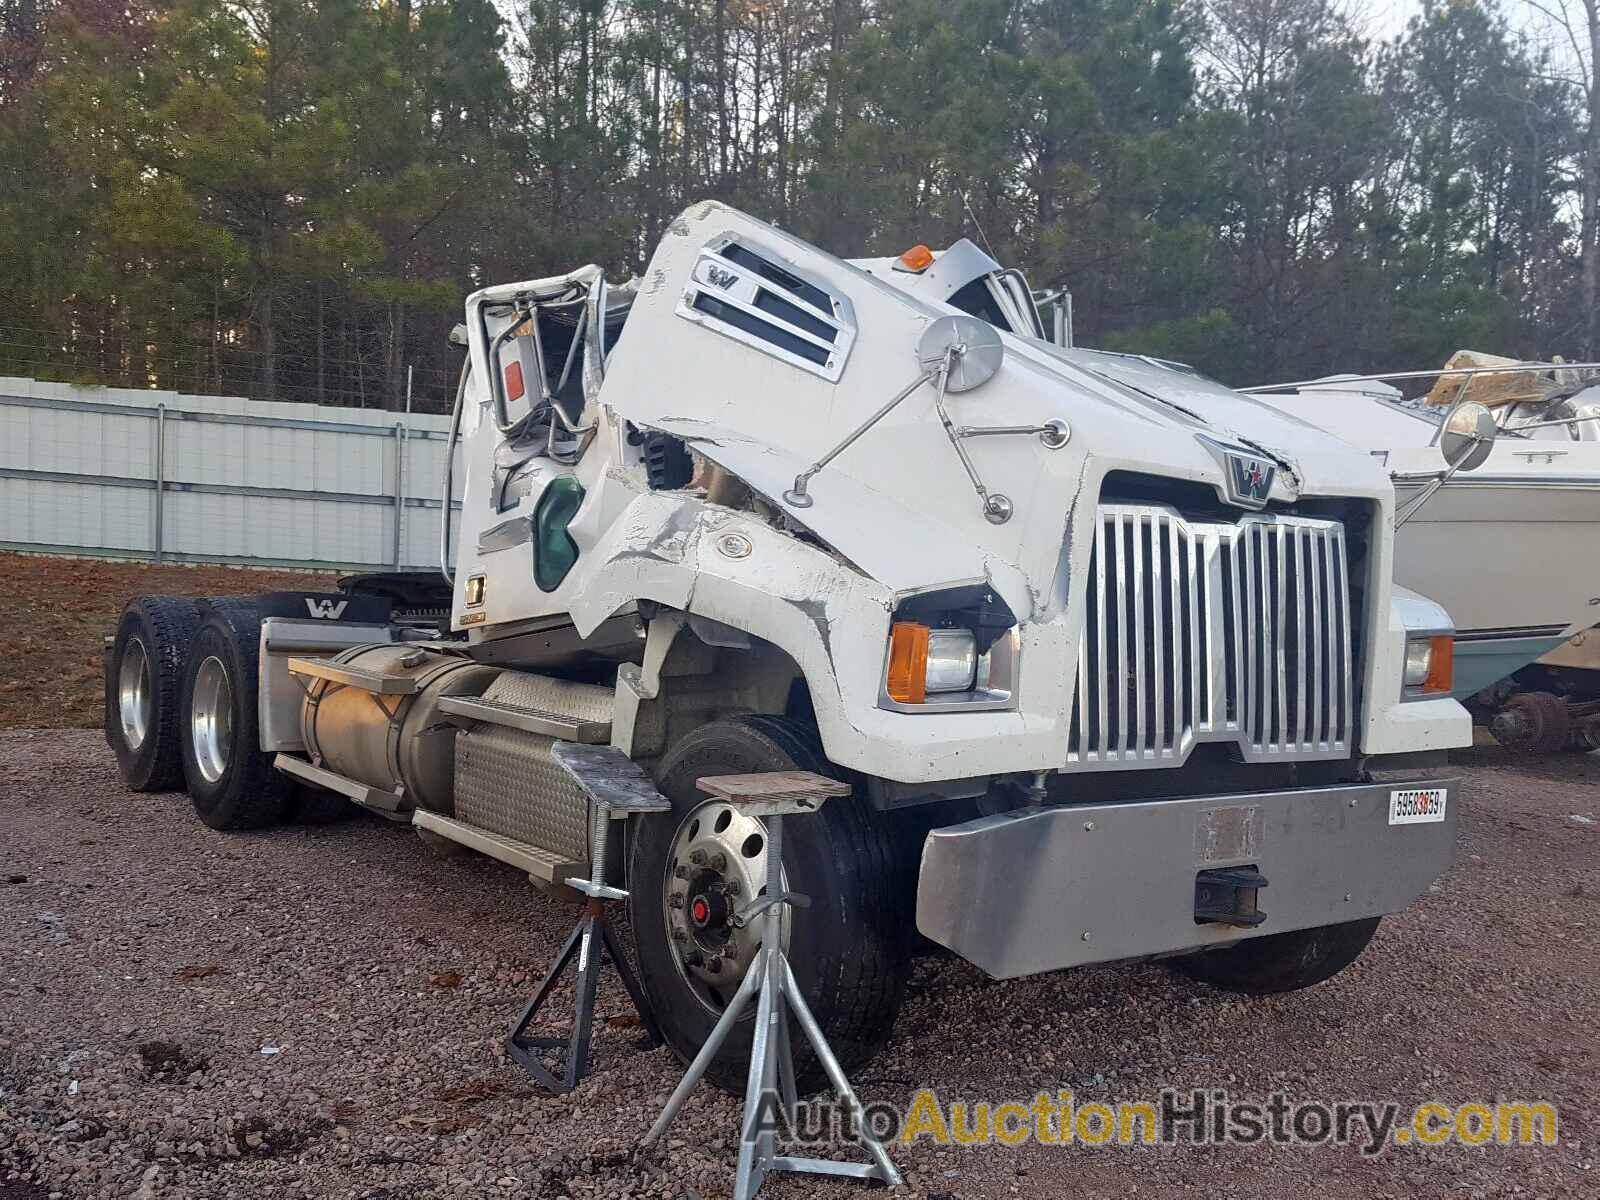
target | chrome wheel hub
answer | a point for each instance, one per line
(211, 719)
(717, 865)
(135, 696)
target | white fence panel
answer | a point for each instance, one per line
(127, 472)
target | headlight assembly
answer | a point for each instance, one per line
(942, 669)
(1430, 666)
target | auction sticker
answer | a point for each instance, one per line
(1415, 806)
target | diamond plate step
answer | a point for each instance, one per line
(530, 720)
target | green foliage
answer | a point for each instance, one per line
(291, 197)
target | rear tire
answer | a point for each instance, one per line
(231, 780)
(1281, 962)
(850, 950)
(144, 675)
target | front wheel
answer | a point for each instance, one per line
(689, 870)
(1281, 962)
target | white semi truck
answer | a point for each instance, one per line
(1110, 654)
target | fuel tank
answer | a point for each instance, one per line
(400, 743)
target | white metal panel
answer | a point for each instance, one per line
(214, 444)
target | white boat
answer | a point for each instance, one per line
(1512, 548)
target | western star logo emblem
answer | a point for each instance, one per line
(1250, 480)
(327, 610)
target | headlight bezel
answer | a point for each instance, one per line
(993, 687)
(1423, 620)
(1438, 675)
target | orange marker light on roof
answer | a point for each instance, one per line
(918, 258)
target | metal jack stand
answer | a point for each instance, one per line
(771, 1089)
(616, 789)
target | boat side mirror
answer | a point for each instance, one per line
(1468, 436)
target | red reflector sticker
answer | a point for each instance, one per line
(514, 385)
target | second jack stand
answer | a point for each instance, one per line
(616, 789)
(770, 1090)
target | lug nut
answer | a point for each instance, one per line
(719, 861)
(675, 900)
(697, 857)
(714, 965)
(680, 935)
(680, 872)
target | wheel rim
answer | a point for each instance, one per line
(716, 866)
(211, 719)
(135, 697)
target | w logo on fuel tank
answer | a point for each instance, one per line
(327, 610)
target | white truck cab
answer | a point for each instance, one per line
(1110, 653)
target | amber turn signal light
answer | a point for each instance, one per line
(908, 662)
(1441, 665)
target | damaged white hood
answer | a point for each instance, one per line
(898, 503)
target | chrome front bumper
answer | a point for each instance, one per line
(1044, 888)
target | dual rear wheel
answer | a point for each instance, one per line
(181, 700)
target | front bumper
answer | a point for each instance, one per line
(1044, 888)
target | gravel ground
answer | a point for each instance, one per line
(318, 1012)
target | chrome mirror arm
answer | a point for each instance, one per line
(1412, 506)
(797, 496)
(997, 508)
(957, 353)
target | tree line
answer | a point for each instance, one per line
(289, 198)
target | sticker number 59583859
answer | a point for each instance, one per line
(1414, 806)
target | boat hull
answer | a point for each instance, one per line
(1513, 558)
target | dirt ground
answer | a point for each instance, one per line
(56, 611)
(318, 1011)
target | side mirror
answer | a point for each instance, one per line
(1467, 436)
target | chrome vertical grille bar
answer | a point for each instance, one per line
(1224, 609)
(1176, 559)
(1122, 641)
(1342, 635)
(1158, 628)
(1199, 584)
(1280, 641)
(1101, 575)
(1298, 542)
(1140, 685)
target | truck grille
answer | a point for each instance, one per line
(1211, 632)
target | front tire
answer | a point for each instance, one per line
(231, 780)
(1281, 962)
(144, 675)
(849, 950)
